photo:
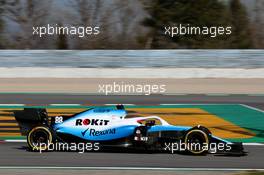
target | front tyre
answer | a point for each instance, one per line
(197, 141)
(39, 138)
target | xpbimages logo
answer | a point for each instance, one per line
(187, 29)
(79, 31)
(59, 146)
(211, 147)
(124, 88)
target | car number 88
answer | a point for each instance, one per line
(58, 119)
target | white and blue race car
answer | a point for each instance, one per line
(112, 129)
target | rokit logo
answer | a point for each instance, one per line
(96, 122)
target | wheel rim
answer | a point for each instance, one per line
(39, 138)
(196, 140)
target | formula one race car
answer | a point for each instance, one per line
(110, 128)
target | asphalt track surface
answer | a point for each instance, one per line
(15, 154)
(44, 99)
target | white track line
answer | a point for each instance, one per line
(12, 104)
(65, 104)
(254, 144)
(132, 168)
(253, 108)
(16, 140)
(166, 104)
(119, 104)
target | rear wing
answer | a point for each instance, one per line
(30, 117)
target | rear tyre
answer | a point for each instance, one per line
(197, 141)
(39, 138)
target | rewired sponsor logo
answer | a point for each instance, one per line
(96, 122)
(94, 132)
